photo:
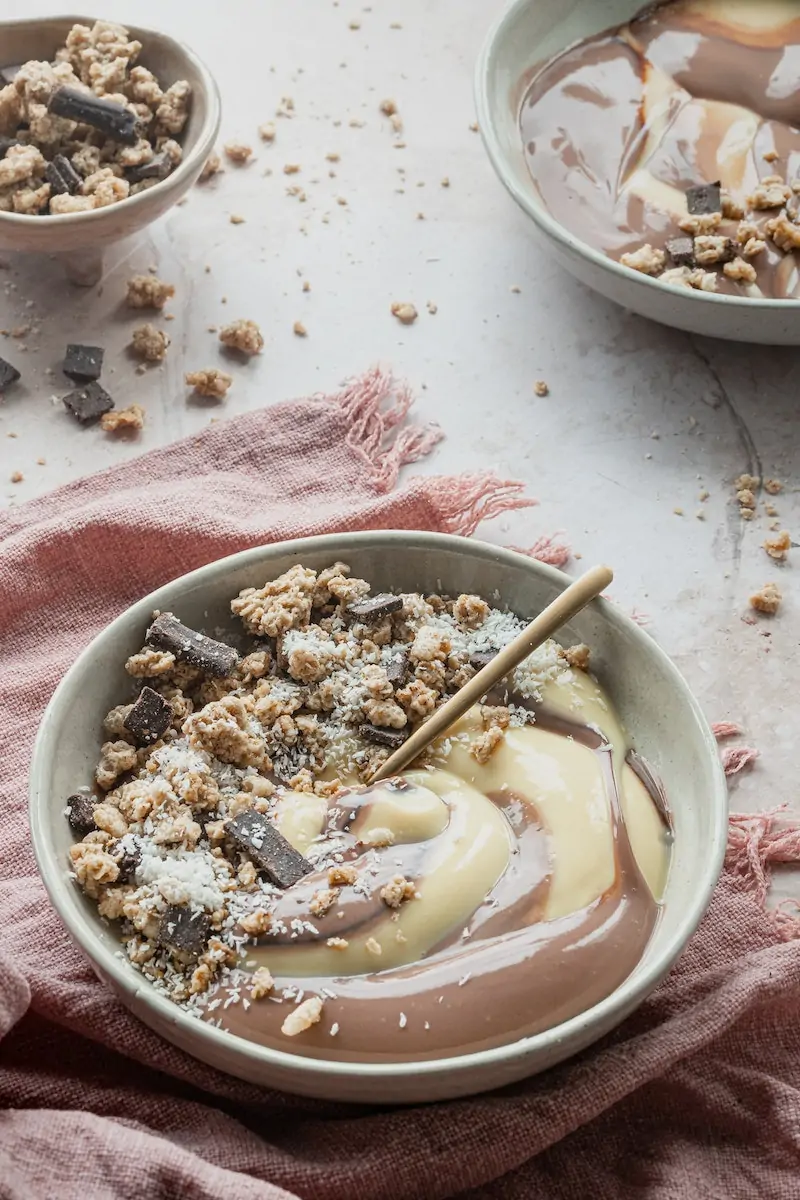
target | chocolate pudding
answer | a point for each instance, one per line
(672, 144)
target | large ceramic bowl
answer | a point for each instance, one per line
(528, 34)
(664, 721)
(79, 239)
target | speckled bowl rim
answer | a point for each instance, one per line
(205, 139)
(483, 87)
(81, 926)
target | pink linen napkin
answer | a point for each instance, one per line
(698, 1094)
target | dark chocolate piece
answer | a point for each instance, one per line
(159, 167)
(383, 737)
(87, 404)
(372, 608)
(62, 176)
(681, 251)
(8, 374)
(83, 363)
(481, 658)
(397, 667)
(268, 848)
(80, 811)
(704, 198)
(728, 252)
(150, 717)
(214, 658)
(183, 930)
(128, 860)
(114, 120)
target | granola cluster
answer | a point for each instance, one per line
(326, 679)
(729, 242)
(56, 163)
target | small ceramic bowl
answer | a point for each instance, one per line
(528, 34)
(664, 721)
(79, 239)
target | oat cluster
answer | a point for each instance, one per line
(100, 61)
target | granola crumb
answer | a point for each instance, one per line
(772, 192)
(388, 107)
(700, 223)
(150, 343)
(767, 599)
(306, 286)
(267, 131)
(238, 152)
(397, 890)
(322, 901)
(262, 983)
(778, 547)
(209, 382)
(541, 388)
(373, 947)
(291, 168)
(647, 260)
(432, 307)
(303, 1017)
(337, 943)
(486, 743)
(741, 271)
(299, 329)
(212, 166)
(148, 291)
(784, 233)
(773, 486)
(445, 182)
(770, 156)
(121, 420)
(341, 875)
(236, 219)
(578, 656)
(406, 313)
(242, 335)
(17, 477)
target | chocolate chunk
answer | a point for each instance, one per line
(481, 658)
(128, 858)
(214, 658)
(159, 167)
(83, 363)
(87, 404)
(268, 848)
(372, 608)
(8, 374)
(183, 930)
(383, 737)
(681, 251)
(80, 811)
(704, 198)
(149, 718)
(114, 120)
(62, 176)
(397, 667)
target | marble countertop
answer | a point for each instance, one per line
(639, 421)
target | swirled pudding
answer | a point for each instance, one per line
(672, 143)
(510, 881)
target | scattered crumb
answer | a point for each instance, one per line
(474, 127)
(299, 329)
(303, 1017)
(388, 107)
(773, 486)
(354, 25)
(123, 419)
(515, 288)
(333, 157)
(778, 547)
(767, 600)
(405, 313)
(341, 200)
(41, 462)
(432, 307)
(578, 656)
(148, 291)
(17, 477)
(236, 219)
(306, 286)
(212, 166)
(210, 382)
(238, 152)
(285, 108)
(336, 943)
(242, 335)
(445, 182)
(291, 168)
(770, 156)
(541, 388)
(267, 131)
(262, 984)
(373, 947)
(149, 343)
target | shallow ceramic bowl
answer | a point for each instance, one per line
(528, 34)
(663, 719)
(79, 239)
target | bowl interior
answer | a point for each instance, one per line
(663, 720)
